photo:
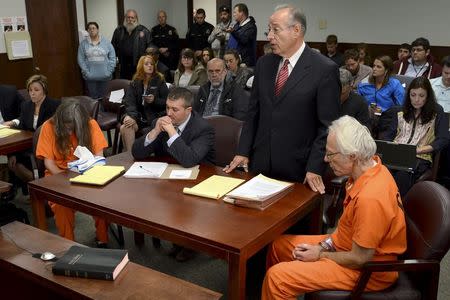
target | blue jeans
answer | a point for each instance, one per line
(96, 88)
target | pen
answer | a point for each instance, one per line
(148, 171)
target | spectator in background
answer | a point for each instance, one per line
(144, 100)
(332, 53)
(160, 66)
(403, 51)
(219, 97)
(207, 55)
(32, 115)
(364, 55)
(236, 73)
(359, 72)
(420, 62)
(199, 32)
(219, 37)
(189, 72)
(130, 41)
(97, 61)
(441, 85)
(382, 91)
(10, 102)
(421, 122)
(166, 38)
(352, 104)
(243, 35)
(267, 49)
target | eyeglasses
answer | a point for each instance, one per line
(276, 30)
(417, 49)
(330, 155)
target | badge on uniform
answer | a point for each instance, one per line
(208, 32)
(170, 32)
(141, 34)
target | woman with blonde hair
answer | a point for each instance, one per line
(145, 100)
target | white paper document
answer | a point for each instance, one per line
(20, 48)
(180, 174)
(259, 188)
(117, 96)
(146, 170)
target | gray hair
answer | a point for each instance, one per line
(345, 76)
(353, 138)
(295, 15)
(133, 11)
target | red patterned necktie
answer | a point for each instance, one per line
(282, 77)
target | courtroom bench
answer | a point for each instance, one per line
(25, 277)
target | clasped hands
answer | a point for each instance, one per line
(165, 124)
(306, 252)
(314, 181)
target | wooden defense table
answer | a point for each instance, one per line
(158, 207)
(16, 142)
(25, 277)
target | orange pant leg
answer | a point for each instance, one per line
(64, 219)
(286, 278)
(101, 227)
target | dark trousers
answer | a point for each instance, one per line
(405, 180)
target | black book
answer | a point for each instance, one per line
(91, 263)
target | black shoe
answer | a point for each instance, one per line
(184, 255)
(156, 242)
(9, 195)
(174, 251)
(100, 244)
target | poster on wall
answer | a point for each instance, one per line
(7, 24)
(11, 24)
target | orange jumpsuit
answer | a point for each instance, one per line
(372, 218)
(46, 148)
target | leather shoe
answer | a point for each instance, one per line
(184, 255)
(174, 251)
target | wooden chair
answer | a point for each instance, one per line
(227, 134)
(427, 214)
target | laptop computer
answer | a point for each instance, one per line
(397, 156)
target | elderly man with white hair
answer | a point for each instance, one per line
(371, 228)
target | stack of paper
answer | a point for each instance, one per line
(86, 160)
(146, 170)
(99, 175)
(6, 131)
(259, 192)
(214, 187)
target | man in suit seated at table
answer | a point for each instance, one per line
(10, 101)
(219, 97)
(181, 134)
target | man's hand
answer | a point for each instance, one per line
(229, 29)
(238, 161)
(8, 123)
(315, 182)
(306, 252)
(129, 121)
(167, 126)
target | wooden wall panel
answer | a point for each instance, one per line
(15, 72)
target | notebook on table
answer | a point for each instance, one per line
(396, 156)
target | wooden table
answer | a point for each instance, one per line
(159, 208)
(16, 142)
(25, 277)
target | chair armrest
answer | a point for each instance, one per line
(409, 265)
(120, 113)
(339, 181)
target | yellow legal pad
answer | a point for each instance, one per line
(4, 132)
(214, 187)
(99, 175)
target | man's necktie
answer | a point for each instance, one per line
(282, 77)
(211, 104)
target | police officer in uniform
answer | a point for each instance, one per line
(197, 35)
(166, 38)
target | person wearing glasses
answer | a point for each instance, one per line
(372, 226)
(189, 72)
(295, 96)
(420, 62)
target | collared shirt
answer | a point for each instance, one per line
(415, 71)
(442, 93)
(179, 130)
(292, 60)
(245, 22)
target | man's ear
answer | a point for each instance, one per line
(428, 52)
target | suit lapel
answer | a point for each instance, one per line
(298, 74)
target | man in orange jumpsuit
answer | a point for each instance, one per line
(372, 226)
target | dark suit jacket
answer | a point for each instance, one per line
(233, 100)
(285, 136)
(47, 110)
(195, 145)
(10, 102)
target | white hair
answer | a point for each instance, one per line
(353, 138)
(295, 15)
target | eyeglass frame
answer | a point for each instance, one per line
(276, 30)
(329, 156)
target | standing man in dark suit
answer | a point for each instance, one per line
(166, 38)
(220, 97)
(295, 97)
(10, 102)
(182, 134)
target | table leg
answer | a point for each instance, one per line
(237, 269)
(139, 238)
(38, 207)
(315, 225)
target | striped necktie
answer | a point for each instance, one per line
(282, 77)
